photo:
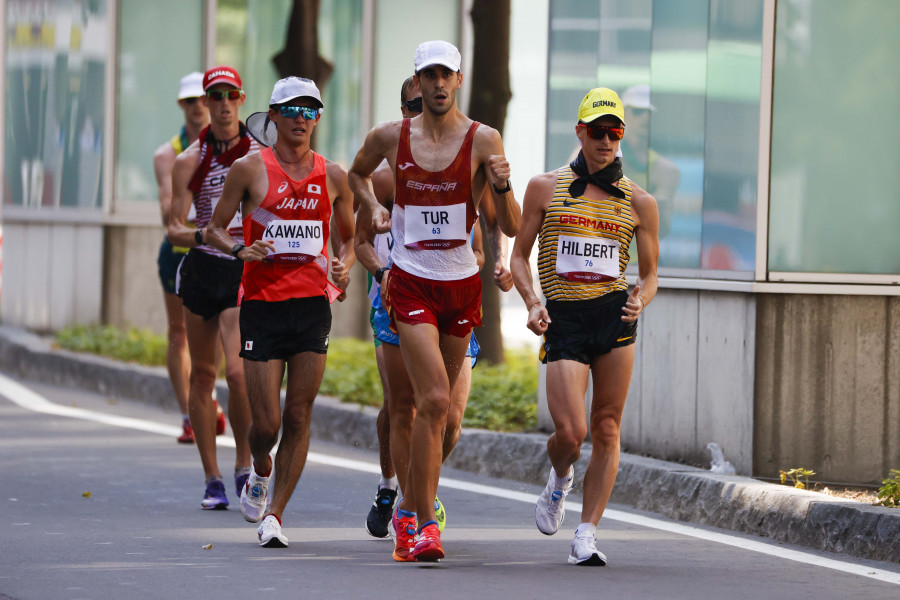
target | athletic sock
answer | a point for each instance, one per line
(560, 483)
(390, 484)
(586, 529)
(209, 480)
(241, 471)
(405, 513)
(186, 419)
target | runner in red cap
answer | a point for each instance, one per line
(210, 278)
(287, 194)
(441, 161)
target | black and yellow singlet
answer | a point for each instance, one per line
(180, 142)
(583, 243)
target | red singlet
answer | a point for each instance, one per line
(294, 216)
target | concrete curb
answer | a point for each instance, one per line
(683, 493)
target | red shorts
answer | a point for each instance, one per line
(454, 307)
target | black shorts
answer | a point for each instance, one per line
(209, 284)
(167, 265)
(582, 330)
(279, 330)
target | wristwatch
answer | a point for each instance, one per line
(198, 237)
(379, 274)
(236, 249)
(502, 190)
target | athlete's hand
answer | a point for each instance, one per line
(381, 220)
(502, 277)
(634, 306)
(257, 251)
(385, 291)
(499, 168)
(340, 275)
(538, 319)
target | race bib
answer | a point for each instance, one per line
(587, 259)
(435, 227)
(297, 242)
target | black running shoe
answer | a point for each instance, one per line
(380, 514)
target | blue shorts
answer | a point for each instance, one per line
(381, 329)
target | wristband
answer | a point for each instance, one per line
(497, 190)
(533, 305)
(236, 249)
(198, 237)
(379, 274)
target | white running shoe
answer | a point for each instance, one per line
(270, 535)
(584, 552)
(255, 496)
(550, 509)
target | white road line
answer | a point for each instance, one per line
(30, 400)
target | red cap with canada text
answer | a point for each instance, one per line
(221, 74)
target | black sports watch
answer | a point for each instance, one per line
(236, 249)
(379, 274)
(198, 237)
(502, 190)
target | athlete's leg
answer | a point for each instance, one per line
(304, 375)
(433, 361)
(611, 376)
(238, 406)
(566, 386)
(264, 390)
(202, 337)
(459, 396)
(178, 361)
(402, 411)
(383, 422)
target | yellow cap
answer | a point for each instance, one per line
(599, 102)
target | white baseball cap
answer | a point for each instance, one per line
(191, 86)
(638, 96)
(437, 52)
(292, 87)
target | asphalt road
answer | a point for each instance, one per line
(94, 509)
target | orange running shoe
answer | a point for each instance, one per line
(220, 419)
(428, 548)
(405, 537)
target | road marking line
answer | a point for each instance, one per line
(25, 398)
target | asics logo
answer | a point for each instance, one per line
(282, 187)
(405, 166)
(417, 312)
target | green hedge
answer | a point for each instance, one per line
(503, 397)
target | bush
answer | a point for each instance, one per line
(351, 373)
(134, 345)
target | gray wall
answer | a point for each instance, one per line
(828, 386)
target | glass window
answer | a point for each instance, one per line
(835, 63)
(688, 73)
(56, 53)
(150, 68)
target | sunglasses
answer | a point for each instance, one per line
(598, 132)
(414, 105)
(306, 112)
(219, 95)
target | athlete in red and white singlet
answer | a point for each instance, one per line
(288, 195)
(433, 290)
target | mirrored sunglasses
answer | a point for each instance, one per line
(219, 95)
(598, 132)
(306, 112)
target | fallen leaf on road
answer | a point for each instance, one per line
(86, 495)
(207, 547)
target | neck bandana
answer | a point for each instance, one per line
(603, 178)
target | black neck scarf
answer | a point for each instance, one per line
(603, 178)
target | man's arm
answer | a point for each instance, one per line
(497, 241)
(477, 245)
(177, 231)
(373, 151)
(342, 209)
(364, 243)
(163, 163)
(646, 236)
(238, 186)
(509, 215)
(537, 199)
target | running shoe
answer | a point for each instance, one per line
(550, 509)
(584, 552)
(381, 512)
(404, 537)
(187, 433)
(254, 496)
(270, 535)
(440, 514)
(240, 480)
(428, 548)
(220, 419)
(215, 498)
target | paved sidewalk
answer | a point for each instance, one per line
(676, 491)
